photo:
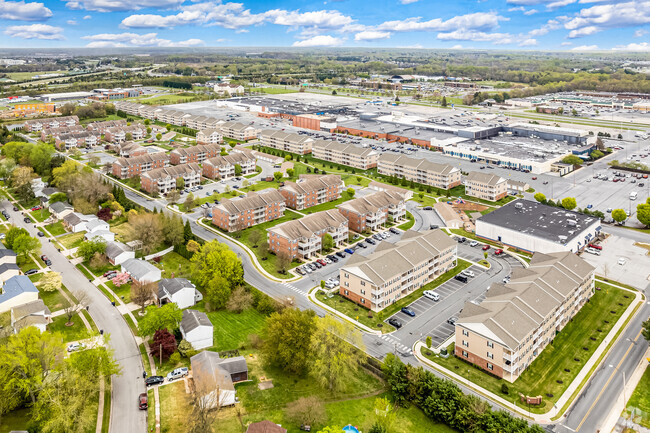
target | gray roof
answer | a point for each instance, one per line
(484, 178)
(6, 252)
(311, 184)
(373, 203)
(114, 249)
(15, 286)
(138, 268)
(30, 308)
(253, 200)
(175, 171)
(173, 285)
(198, 149)
(60, 206)
(192, 319)
(417, 163)
(213, 371)
(95, 224)
(8, 266)
(306, 227)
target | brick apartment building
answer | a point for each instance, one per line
(508, 330)
(118, 134)
(46, 133)
(255, 208)
(443, 176)
(124, 168)
(223, 167)
(105, 125)
(286, 141)
(36, 125)
(393, 271)
(209, 136)
(312, 191)
(196, 154)
(485, 186)
(163, 180)
(345, 154)
(372, 212)
(74, 139)
(302, 238)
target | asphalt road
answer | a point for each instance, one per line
(125, 415)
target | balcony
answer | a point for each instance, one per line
(509, 357)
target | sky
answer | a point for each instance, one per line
(580, 25)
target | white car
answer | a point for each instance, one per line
(177, 373)
(307, 269)
(75, 346)
(430, 294)
(506, 280)
(473, 244)
(468, 273)
(3, 235)
(621, 261)
(593, 251)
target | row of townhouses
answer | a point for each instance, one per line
(345, 154)
(36, 125)
(224, 167)
(196, 154)
(423, 171)
(286, 141)
(163, 180)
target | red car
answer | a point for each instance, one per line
(597, 247)
(322, 262)
(36, 208)
(486, 247)
(143, 401)
(498, 252)
(534, 177)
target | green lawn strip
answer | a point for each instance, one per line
(40, 215)
(71, 240)
(604, 280)
(84, 271)
(541, 377)
(106, 415)
(151, 410)
(355, 312)
(70, 333)
(329, 205)
(134, 329)
(468, 235)
(173, 263)
(123, 292)
(426, 200)
(258, 170)
(90, 320)
(55, 229)
(409, 223)
(640, 401)
(106, 293)
(26, 263)
(145, 358)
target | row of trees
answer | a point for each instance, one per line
(96, 110)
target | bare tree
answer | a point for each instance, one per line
(307, 411)
(282, 262)
(147, 228)
(71, 308)
(205, 403)
(239, 300)
(142, 293)
(254, 238)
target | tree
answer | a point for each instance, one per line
(240, 300)
(384, 415)
(238, 170)
(645, 331)
(57, 197)
(7, 166)
(173, 196)
(215, 261)
(569, 203)
(643, 212)
(184, 348)
(147, 228)
(163, 345)
(142, 293)
(168, 127)
(572, 159)
(278, 176)
(189, 202)
(429, 341)
(172, 229)
(306, 411)
(217, 293)
(254, 237)
(71, 308)
(327, 242)
(444, 101)
(159, 136)
(105, 214)
(24, 245)
(619, 215)
(128, 136)
(12, 234)
(291, 172)
(263, 250)
(180, 183)
(120, 279)
(396, 375)
(205, 403)
(21, 179)
(333, 363)
(282, 262)
(540, 197)
(287, 335)
(88, 249)
(168, 317)
(51, 281)
(351, 192)
(192, 246)
(147, 122)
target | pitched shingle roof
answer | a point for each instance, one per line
(252, 201)
(307, 226)
(307, 185)
(373, 203)
(192, 319)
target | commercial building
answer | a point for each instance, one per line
(509, 329)
(163, 180)
(312, 191)
(239, 131)
(373, 211)
(209, 136)
(302, 238)
(196, 154)
(345, 154)
(316, 122)
(62, 97)
(124, 168)
(536, 227)
(423, 171)
(30, 108)
(225, 167)
(237, 214)
(286, 141)
(485, 186)
(393, 271)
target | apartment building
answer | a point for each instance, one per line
(36, 125)
(393, 271)
(196, 154)
(46, 133)
(209, 136)
(163, 180)
(239, 131)
(124, 168)
(105, 125)
(129, 149)
(485, 186)
(287, 141)
(443, 176)
(129, 107)
(77, 139)
(24, 109)
(118, 134)
(173, 117)
(237, 214)
(201, 122)
(372, 212)
(302, 238)
(345, 154)
(516, 321)
(311, 191)
(223, 167)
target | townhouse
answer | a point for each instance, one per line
(393, 271)
(129, 149)
(508, 330)
(77, 139)
(163, 180)
(237, 214)
(239, 131)
(195, 154)
(128, 107)
(209, 136)
(105, 125)
(287, 141)
(201, 122)
(423, 171)
(120, 133)
(46, 133)
(36, 125)
(344, 154)
(302, 238)
(173, 117)
(124, 168)
(224, 167)
(373, 211)
(311, 191)
(485, 186)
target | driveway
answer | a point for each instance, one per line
(636, 269)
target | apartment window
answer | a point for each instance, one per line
(363, 301)
(465, 354)
(347, 284)
(465, 343)
(346, 292)
(490, 355)
(363, 292)
(465, 333)
(363, 283)
(490, 366)
(490, 344)
(346, 275)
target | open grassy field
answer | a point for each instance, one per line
(231, 330)
(271, 90)
(329, 205)
(356, 312)
(24, 76)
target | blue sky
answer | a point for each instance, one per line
(579, 25)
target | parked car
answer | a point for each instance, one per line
(349, 250)
(40, 234)
(377, 236)
(371, 241)
(621, 261)
(598, 247)
(300, 271)
(394, 231)
(473, 243)
(468, 273)
(36, 208)
(318, 265)
(485, 247)
(433, 226)
(341, 254)
(73, 347)
(177, 373)
(154, 380)
(107, 273)
(427, 208)
(3, 235)
(46, 260)
(333, 258)
(15, 208)
(322, 262)
(452, 321)
(408, 311)
(31, 272)
(143, 401)
(498, 252)
(461, 278)
(313, 267)
(396, 323)
(27, 220)
(430, 294)
(593, 251)
(361, 245)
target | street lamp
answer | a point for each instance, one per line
(616, 368)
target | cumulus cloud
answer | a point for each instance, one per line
(21, 11)
(640, 33)
(87, 17)
(121, 5)
(606, 16)
(530, 42)
(35, 31)
(550, 25)
(475, 21)
(476, 36)
(408, 2)
(371, 35)
(550, 4)
(585, 48)
(103, 40)
(319, 41)
(71, 23)
(643, 46)
(531, 12)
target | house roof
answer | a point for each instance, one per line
(173, 285)
(8, 266)
(193, 319)
(30, 308)
(312, 184)
(373, 203)
(230, 159)
(75, 218)
(15, 286)
(208, 369)
(252, 201)
(484, 178)
(307, 226)
(195, 150)
(96, 224)
(141, 159)
(265, 426)
(114, 249)
(419, 164)
(48, 191)
(350, 149)
(6, 252)
(174, 171)
(138, 268)
(209, 131)
(60, 206)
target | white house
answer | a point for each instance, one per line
(17, 291)
(197, 329)
(60, 209)
(77, 222)
(214, 376)
(179, 291)
(33, 313)
(141, 271)
(117, 253)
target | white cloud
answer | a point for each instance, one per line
(71, 23)
(550, 4)
(475, 21)
(408, 2)
(640, 33)
(585, 48)
(470, 35)
(22, 11)
(517, 9)
(371, 35)
(35, 31)
(549, 26)
(136, 40)
(605, 16)
(643, 46)
(531, 12)
(585, 31)
(319, 41)
(87, 17)
(457, 47)
(121, 5)
(566, 44)
(528, 43)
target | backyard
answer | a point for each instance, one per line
(71, 240)
(174, 265)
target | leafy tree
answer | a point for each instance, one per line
(238, 170)
(351, 192)
(572, 159)
(184, 348)
(180, 183)
(147, 228)
(190, 202)
(12, 234)
(159, 136)
(287, 336)
(282, 262)
(57, 197)
(193, 246)
(88, 249)
(121, 279)
(21, 179)
(278, 176)
(646, 330)
(172, 229)
(327, 242)
(24, 245)
(291, 172)
(240, 300)
(163, 345)
(306, 411)
(217, 293)
(619, 215)
(444, 101)
(40, 158)
(7, 166)
(569, 203)
(187, 232)
(173, 196)
(396, 376)
(643, 212)
(168, 317)
(384, 414)
(51, 281)
(105, 214)
(429, 341)
(540, 197)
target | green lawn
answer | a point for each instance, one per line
(231, 330)
(72, 240)
(85, 272)
(426, 200)
(640, 401)
(70, 333)
(26, 263)
(54, 300)
(361, 314)
(40, 215)
(329, 205)
(123, 292)
(409, 223)
(55, 229)
(24, 76)
(271, 90)
(16, 420)
(541, 377)
(173, 263)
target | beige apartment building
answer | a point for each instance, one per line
(485, 186)
(509, 329)
(422, 171)
(287, 141)
(345, 154)
(239, 131)
(393, 271)
(371, 212)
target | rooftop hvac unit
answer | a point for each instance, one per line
(562, 238)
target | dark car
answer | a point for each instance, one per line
(143, 401)
(341, 254)
(396, 323)
(434, 226)
(394, 231)
(333, 258)
(31, 272)
(15, 208)
(461, 278)
(46, 260)
(154, 380)
(408, 311)
(452, 321)
(370, 241)
(40, 234)
(427, 208)
(349, 250)
(27, 220)
(362, 245)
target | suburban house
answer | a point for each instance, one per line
(125, 168)
(77, 222)
(423, 171)
(179, 291)
(17, 291)
(372, 212)
(302, 238)
(265, 426)
(311, 191)
(507, 331)
(214, 377)
(7, 256)
(239, 131)
(8, 270)
(345, 154)
(141, 271)
(163, 180)
(223, 167)
(396, 270)
(196, 154)
(209, 136)
(197, 329)
(99, 229)
(117, 253)
(237, 214)
(60, 209)
(485, 186)
(33, 313)
(287, 141)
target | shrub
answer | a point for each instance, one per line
(175, 358)
(504, 389)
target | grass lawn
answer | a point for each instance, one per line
(174, 407)
(26, 263)
(123, 292)
(72, 240)
(121, 231)
(54, 300)
(55, 229)
(231, 330)
(270, 90)
(70, 333)
(355, 312)
(40, 215)
(426, 200)
(541, 377)
(85, 272)
(640, 401)
(16, 420)
(24, 76)
(329, 205)
(173, 263)
(409, 223)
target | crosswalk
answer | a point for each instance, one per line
(395, 343)
(294, 288)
